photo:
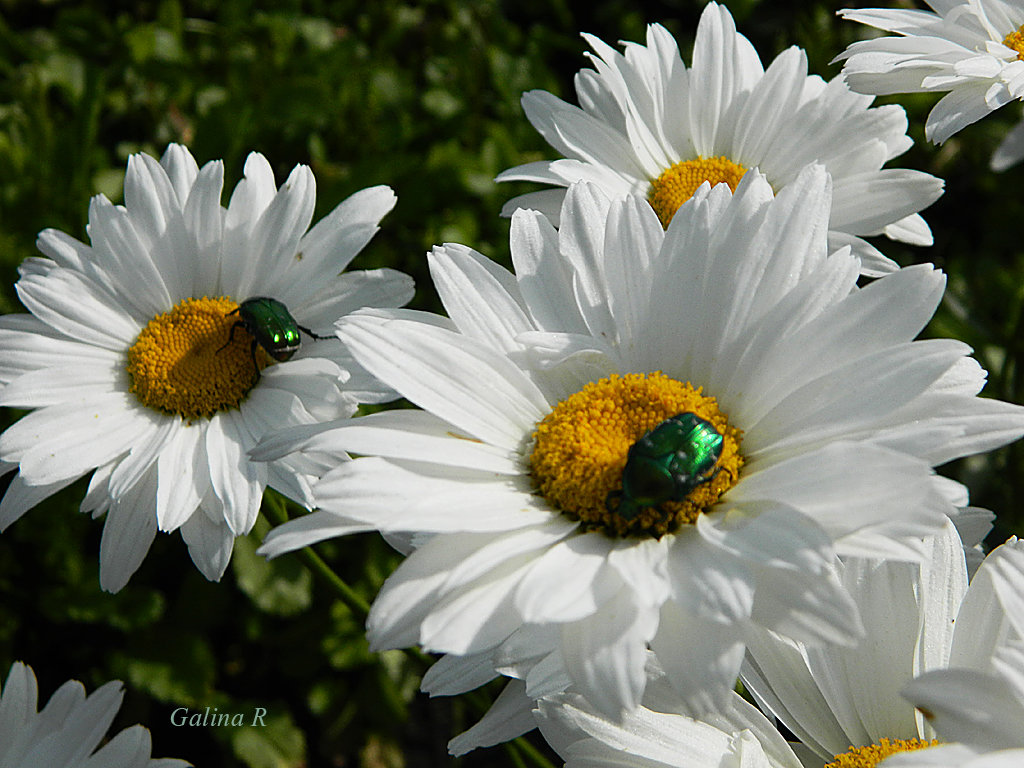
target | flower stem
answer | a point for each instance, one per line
(521, 745)
(275, 507)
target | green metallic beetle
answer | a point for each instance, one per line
(271, 326)
(666, 464)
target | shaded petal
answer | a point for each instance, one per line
(209, 544)
(510, 716)
(452, 674)
(128, 532)
(398, 495)
(236, 481)
(465, 383)
(90, 434)
(605, 653)
(703, 676)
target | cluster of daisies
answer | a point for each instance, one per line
(690, 439)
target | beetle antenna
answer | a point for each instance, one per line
(311, 334)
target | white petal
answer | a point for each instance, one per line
(724, 66)
(867, 203)
(69, 303)
(956, 110)
(829, 486)
(149, 444)
(154, 210)
(494, 550)
(306, 530)
(605, 653)
(776, 673)
(986, 615)
(544, 277)
(71, 380)
(707, 581)
(409, 594)
(128, 532)
(398, 496)
(274, 240)
(581, 241)
(479, 295)
(634, 229)
(475, 617)
(181, 169)
(976, 708)
(509, 717)
(209, 544)
(704, 675)
(941, 595)
(203, 219)
(344, 232)
(184, 476)
(238, 482)
(451, 674)
(125, 262)
(463, 382)
(398, 434)
(580, 136)
(814, 609)
(569, 582)
(344, 294)
(1009, 580)
(911, 229)
(20, 497)
(90, 434)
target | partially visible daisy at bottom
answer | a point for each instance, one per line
(658, 734)
(547, 541)
(971, 50)
(68, 730)
(916, 616)
(137, 368)
(982, 709)
(846, 703)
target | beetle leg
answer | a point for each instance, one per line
(231, 335)
(255, 365)
(625, 508)
(613, 497)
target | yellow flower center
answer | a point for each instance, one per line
(873, 754)
(1015, 40)
(179, 363)
(580, 452)
(677, 184)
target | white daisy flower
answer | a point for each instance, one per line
(980, 706)
(647, 125)
(973, 50)
(138, 367)
(662, 736)
(67, 732)
(917, 617)
(785, 417)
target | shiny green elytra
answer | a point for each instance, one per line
(666, 464)
(271, 326)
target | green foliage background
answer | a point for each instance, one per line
(423, 97)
